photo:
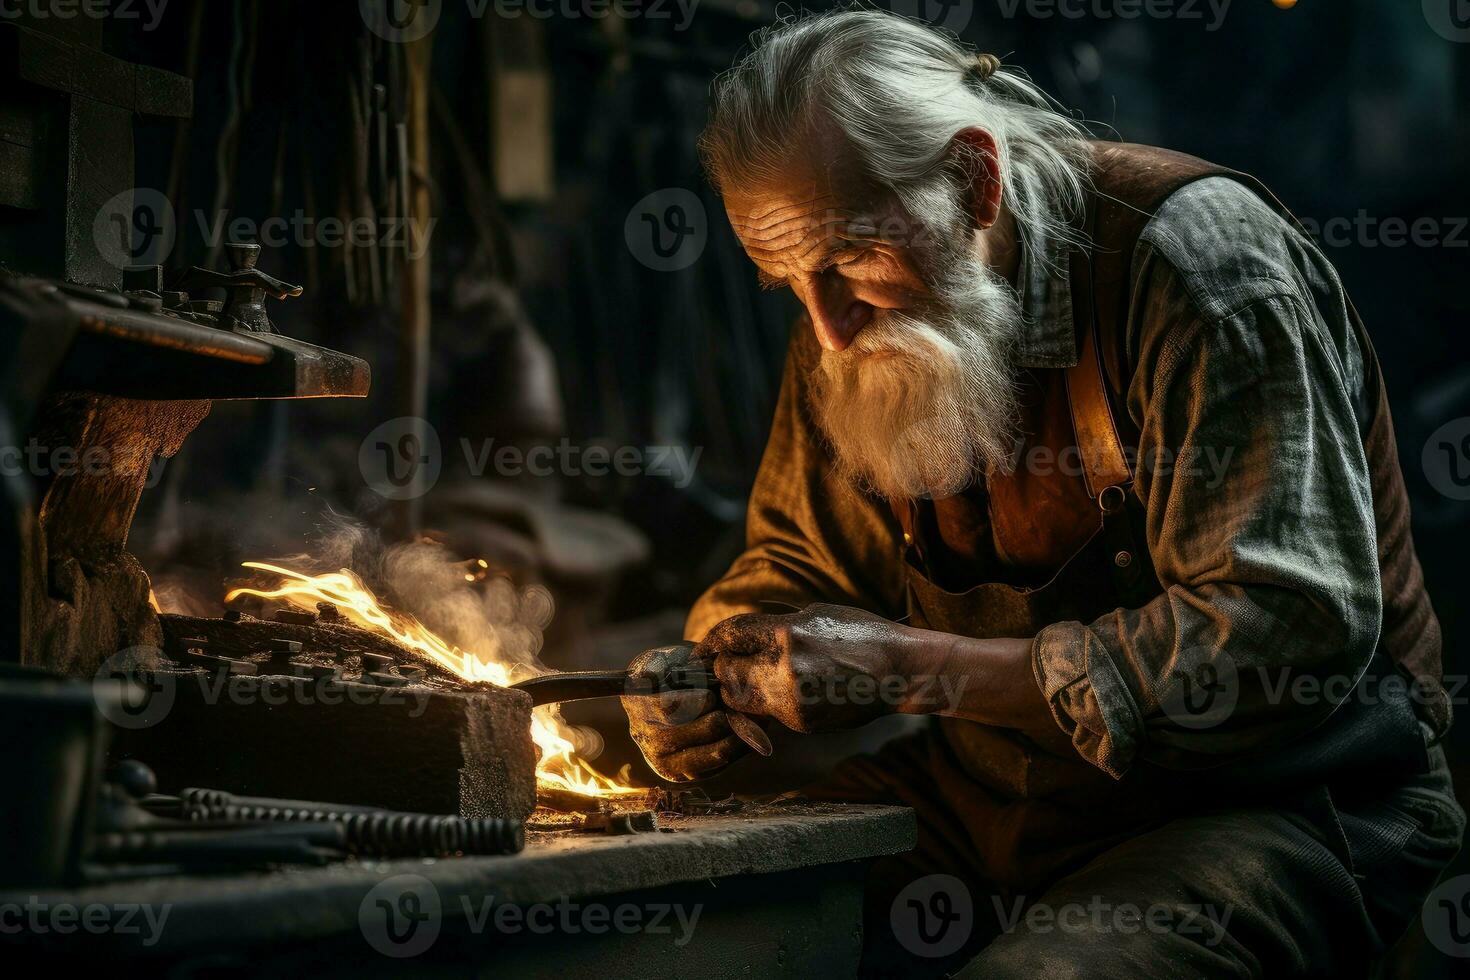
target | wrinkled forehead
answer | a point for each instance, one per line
(807, 203)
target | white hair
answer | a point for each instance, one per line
(898, 91)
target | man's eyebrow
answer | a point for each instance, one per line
(825, 251)
(767, 280)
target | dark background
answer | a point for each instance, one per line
(547, 325)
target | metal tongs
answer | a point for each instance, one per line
(582, 685)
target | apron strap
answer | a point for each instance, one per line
(1105, 466)
(1106, 470)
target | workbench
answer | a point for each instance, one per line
(769, 891)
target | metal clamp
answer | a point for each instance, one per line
(1112, 499)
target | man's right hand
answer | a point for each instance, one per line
(684, 735)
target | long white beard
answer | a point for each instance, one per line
(923, 405)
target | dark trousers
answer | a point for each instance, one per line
(1317, 885)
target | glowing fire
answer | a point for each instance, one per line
(559, 765)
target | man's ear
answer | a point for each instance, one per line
(979, 160)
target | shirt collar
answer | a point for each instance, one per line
(1048, 334)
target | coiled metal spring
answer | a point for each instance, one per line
(378, 833)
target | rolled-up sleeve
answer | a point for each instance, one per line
(810, 535)
(1259, 523)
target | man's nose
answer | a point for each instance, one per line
(836, 314)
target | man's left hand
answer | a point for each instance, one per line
(823, 669)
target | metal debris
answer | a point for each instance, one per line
(614, 823)
(695, 803)
(570, 801)
(294, 616)
(621, 824)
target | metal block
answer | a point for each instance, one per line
(24, 129)
(36, 58)
(75, 64)
(99, 167)
(75, 29)
(407, 748)
(21, 176)
(104, 78)
(163, 93)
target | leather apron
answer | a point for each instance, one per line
(1047, 555)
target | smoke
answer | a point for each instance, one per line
(465, 602)
(175, 594)
(462, 601)
(492, 618)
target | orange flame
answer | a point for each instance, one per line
(559, 767)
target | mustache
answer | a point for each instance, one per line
(890, 333)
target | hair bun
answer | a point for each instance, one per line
(982, 66)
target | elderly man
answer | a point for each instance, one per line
(1081, 450)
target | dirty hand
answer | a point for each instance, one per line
(822, 669)
(684, 735)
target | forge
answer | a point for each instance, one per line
(121, 364)
(329, 712)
